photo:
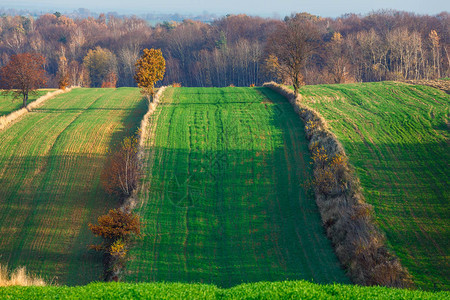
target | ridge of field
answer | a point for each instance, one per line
(223, 200)
(259, 290)
(50, 165)
(8, 104)
(397, 137)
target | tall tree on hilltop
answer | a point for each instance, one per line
(290, 47)
(23, 75)
(150, 68)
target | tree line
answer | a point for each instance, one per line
(232, 50)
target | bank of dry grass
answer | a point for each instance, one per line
(10, 118)
(18, 277)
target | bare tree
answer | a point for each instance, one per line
(292, 44)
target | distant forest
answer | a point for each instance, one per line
(232, 50)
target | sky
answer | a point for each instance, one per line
(324, 8)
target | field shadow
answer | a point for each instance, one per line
(240, 214)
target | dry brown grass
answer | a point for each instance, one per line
(8, 119)
(18, 277)
(151, 109)
(347, 218)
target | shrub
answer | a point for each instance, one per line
(123, 168)
(116, 229)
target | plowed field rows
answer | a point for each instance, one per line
(50, 165)
(223, 199)
(397, 137)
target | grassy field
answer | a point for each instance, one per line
(223, 200)
(8, 105)
(260, 290)
(50, 165)
(397, 137)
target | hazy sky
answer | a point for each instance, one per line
(326, 8)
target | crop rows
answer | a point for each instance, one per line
(50, 165)
(224, 198)
(397, 137)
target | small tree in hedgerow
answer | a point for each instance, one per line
(23, 75)
(116, 229)
(121, 173)
(150, 68)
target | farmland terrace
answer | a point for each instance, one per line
(225, 197)
(397, 137)
(50, 165)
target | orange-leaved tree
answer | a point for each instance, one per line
(115, 226)
(150, 68)
(23, 75)
(116, 229)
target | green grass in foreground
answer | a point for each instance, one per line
(223, 200)
(397, 137)
(8, 105)
(260, 290)
(50, 165)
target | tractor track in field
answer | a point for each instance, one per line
(233, 169)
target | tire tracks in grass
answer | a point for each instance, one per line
(394, 185)
(237, 200)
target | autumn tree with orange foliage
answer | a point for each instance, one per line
(150, 68)
(116, 228)
(23, 75)
(123, 168)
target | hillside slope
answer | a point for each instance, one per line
(50, 165)
(397, 137)
(223, 200)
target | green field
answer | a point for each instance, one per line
(8, 105)
(259, 290)
(50, 165)
(397, 137)
(223, 200)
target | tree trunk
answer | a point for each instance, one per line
(296, 84)
(25, 100)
